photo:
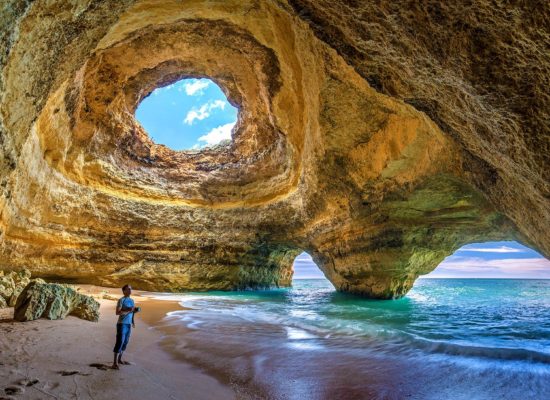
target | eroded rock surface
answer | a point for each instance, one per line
(377, 137)
(54, 301)
(11, 285)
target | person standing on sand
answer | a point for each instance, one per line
(125, 310)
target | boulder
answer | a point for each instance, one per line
(54, 301)
(11, 285)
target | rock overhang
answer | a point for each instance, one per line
(99, 104)
(369, 185)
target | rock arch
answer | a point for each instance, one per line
(508, 259)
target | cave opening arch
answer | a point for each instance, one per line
(305, 268)
(492, 260)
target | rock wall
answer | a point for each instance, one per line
(378, 138)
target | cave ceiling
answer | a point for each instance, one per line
(377, 136)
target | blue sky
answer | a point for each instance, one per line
(305, 268)
(194, 113)
(188, 114)
(476, 260)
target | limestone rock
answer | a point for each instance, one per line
(377, 136)
(54, 301)
(108, 296)
(11, 285)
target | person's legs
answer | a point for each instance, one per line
(118, 345)
(121, 361)
(126, 338)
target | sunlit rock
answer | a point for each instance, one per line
(379, 138)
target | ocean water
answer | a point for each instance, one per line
(447, 339)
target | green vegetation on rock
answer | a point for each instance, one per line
(11, 285)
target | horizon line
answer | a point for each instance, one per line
(435, 277)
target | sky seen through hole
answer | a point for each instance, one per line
(189, 114)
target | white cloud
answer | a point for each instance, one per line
(196, 87)
(303, 257)
(501, 249)
(203, 111)
(218, 134)
(218, 104)
(199, 114)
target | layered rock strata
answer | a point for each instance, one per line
(54, 301)
(378, 138)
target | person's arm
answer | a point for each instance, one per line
(123, 310)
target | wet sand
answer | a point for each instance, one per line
(53, 359)
(265, 356)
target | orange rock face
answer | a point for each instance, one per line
(379, 139)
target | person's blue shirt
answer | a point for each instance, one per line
(125, 302)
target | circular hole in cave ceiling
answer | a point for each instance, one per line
(189, 114)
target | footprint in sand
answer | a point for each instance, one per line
(29, 382)
(14, 390)
(51, 385)
(102, 367)
(70, 373)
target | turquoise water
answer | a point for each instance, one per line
(486, 338)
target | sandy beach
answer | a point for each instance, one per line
(70, 359)
(263, 345)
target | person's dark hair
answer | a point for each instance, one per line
(125, 287)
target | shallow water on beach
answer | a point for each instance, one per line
(447, 339)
